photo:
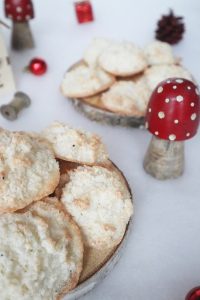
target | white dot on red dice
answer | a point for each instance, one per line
(161, 115)
(192, 104)
(168, 81)
(174, 87)
(176, 121)
(172, 137)
(179, 98)
(156, 133)
(149, 109)
(179, 80)
(188, 134)
(189, 87)
(160, 89)
(193, 117)
(167, 100)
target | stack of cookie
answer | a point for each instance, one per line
(118, 77)
(62, 201)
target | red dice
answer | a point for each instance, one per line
(84, 12)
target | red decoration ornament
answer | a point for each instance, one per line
(84, 12)
(19, 10)
(194, 294)
(173, 111)
(37, 66)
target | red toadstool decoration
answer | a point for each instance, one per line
(20, 12)
(173, 115)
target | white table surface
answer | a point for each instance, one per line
(162, 259)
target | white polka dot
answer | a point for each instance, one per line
(156, 133)
(146, 125)
(179, 80)
(188, 134)
(18, 9)
(149, 109)
(167, 100)
(172, 137)
(192, 104)
(189, 87)
(193, 117)
(168, 81)
(174, 87)
(176, 121)
(179, 98)
(160, 89)
(197, 91)
(161, 114)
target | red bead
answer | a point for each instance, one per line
(37, 66)
(194, 294)
(173, 111)
(84, 12)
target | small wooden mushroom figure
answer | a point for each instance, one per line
(20, 12)
(173, 115)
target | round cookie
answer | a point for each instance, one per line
(39, 258)
(83, 81)
(28, 170)
(94, 49)
(122, 59)
(155, 74)
(99, 201)
(127, 98)
(159, 53)
(75, 145)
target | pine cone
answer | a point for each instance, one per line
(170, 28)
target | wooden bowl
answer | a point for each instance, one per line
(97, 263)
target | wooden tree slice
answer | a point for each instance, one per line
(94, 110)
(97, 263)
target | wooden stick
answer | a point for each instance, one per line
(164, 159)
(21, 36)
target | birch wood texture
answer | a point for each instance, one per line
(164, 159)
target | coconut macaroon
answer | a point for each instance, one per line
(83, 81)
(28, 170)
(40, 258)
(127, 98)
(159, 53)
(122, 59)
(99, 201)
(95, 48)
(75, 145)
(156, 74)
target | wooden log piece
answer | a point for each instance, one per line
(164, 159)
(21, 36)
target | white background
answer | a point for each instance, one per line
(162, 259)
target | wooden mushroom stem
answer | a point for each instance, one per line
(21, 36)
(164, 159)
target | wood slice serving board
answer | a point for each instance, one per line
(93, 108)
(97, 263)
